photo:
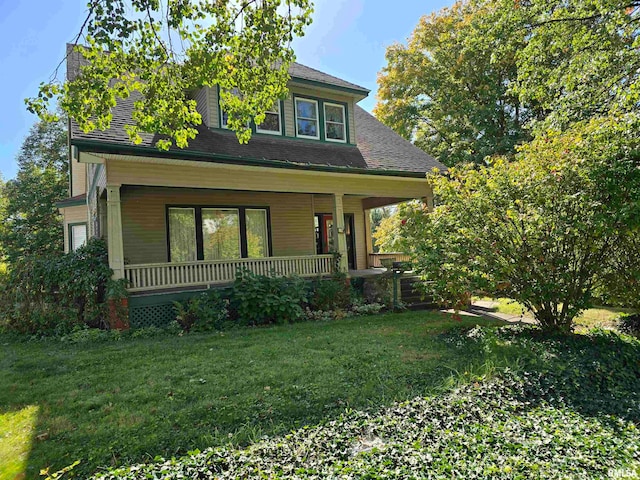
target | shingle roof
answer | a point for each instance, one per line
(297, 70)
(385, 149)
(72, 201)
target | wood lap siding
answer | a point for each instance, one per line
(201, 97)
(144, 219)
(75, 214)
(78, 178)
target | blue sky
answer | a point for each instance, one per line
(347, 39)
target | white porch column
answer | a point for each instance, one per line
(367, 234)
(114, 232)
(339, 234)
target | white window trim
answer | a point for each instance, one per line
(344, 122)
(277, 111)
(70, 227)
(317, 119)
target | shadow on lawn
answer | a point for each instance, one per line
(128, 402)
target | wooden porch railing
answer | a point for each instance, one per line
(154, 276)
(375, 259)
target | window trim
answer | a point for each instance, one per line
(242, 221)
(344, 121)
(279, 112)
(318, 120)
(70, 234)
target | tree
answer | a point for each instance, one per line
(542, 230)
(450, 89)
(31, 222)
(156, 52)
(580, 59)
(377, 216)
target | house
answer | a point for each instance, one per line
(300, 189)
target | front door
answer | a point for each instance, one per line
(324, 236)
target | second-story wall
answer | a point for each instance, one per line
(209, 107)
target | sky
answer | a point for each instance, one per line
(348, 39)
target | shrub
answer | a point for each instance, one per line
(204, 312)
(52, 295)
(330, 293)
(630, 323)
(261, 300)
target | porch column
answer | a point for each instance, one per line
(339, 234)
(367, 234)
(114, 232)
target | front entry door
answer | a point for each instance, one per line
(324, 236)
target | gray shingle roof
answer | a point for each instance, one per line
(297, 70)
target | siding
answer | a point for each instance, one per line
(201, 96)
(214, 115)
(180, 173)
(78, 178)
(353, 205)
(144, 219)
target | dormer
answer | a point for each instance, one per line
(319, 108)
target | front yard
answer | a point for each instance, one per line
(115, 403)
(500, 403)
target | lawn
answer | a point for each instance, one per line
(115, 403)
(603, 317)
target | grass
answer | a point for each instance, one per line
(116, 403)
(603, 317)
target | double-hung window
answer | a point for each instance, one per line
(77, 236)
(334, 122)
(217, 233)
(272, 123)
(307, 118)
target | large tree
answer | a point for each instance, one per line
(157, 51)
(450, 88)
(581, 58)
(31, 223)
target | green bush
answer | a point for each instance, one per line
(330, 293)
(52, 295)
(204, 312)
(261, 300)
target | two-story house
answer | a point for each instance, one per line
(300, 189)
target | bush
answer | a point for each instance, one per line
(330, 293)
(53, 295)
(204, 312)
(261, 300)
(630, 323)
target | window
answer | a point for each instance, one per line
(217, 233)
(224, 117)
(77, 236)
(182, 234)
(220, 233)
(334, 125)
(272, 121)
(307, 118)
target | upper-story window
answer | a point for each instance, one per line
(272, 121)
(224, 116)
(334, 122)
(307, 118)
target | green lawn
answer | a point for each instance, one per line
(115, 403)
(603, 317)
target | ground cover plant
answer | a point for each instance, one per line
(114, 403)
(569, 409)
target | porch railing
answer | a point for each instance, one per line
(375, 259)
(154, 276)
